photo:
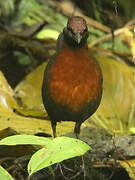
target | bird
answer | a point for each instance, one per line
(72, 82)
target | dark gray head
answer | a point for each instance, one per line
(76, 32)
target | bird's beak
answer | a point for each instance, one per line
(78, 37)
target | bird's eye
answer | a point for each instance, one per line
(85, 30)
(71, 30)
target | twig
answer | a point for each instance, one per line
(131, 22)
(76, 175)
(38, 48)
(62, 172)
(120, 154)
(68, 9)
(109, 36)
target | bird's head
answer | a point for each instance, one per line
(76, 31)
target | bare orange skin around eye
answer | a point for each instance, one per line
(74, 78)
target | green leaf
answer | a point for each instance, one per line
(116, 112)
(22, 58)
(132, 130)
(4, 174)
(25, 139)
(30, 92)
(9, 118)
(6, 8)
(27, 9)
(48, 33)
(118, 45)
(59, 149)
(129, 166)
(7, 101)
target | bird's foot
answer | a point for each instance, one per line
(83, 168)
(61, 171)
(62, 167)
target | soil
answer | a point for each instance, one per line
(98, 164)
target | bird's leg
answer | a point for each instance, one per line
(83, 167)
(53, 124)
(77, 129)
(60, 167)
(77, 132)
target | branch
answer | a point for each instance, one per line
(38, 48)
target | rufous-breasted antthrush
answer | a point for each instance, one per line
(72, 84)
